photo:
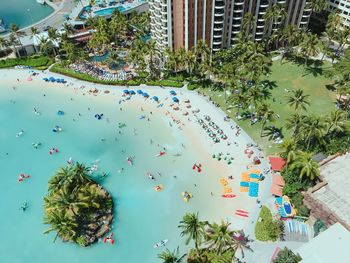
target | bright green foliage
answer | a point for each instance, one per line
(171, 256)
(287, 256)
(266, 228)
(35, 62)
(73, 199)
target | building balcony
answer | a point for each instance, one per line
(238, 10)
(259, 32)
(219, 7)
(260, 26)
(305, 15)
(219, 14)
(217, 42)
(237, 17)
(303, 22)
(239, 3)
(264, 5)
(236, 31)
(219, 28)
(262, 13)
(218, 22)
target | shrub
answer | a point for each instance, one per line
(35, 62)
(61, 69)
(287, 256)
(267, 229)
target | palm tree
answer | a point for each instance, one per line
(171, 256)
(298, 100)
(34, 32)
(309, 47)
(14, 41)
(241, 242)
(289, 36)
(53, 36)
(219, 237)
(272, 132)
(60, 222)
(305, 165)
(4, 44)
(274, 15)
(313, 130)
(294, 123)
(202, 50)
(266, 114)
(191, 60)
(248, 22)
(193, 229)
(336, 121)
(14, 29)
(288, 147)
(317, 6)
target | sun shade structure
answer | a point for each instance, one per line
(277, 163)
(276, 190)
(155, 98)
(175, 99)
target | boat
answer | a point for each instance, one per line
(2, 26)
(161, 243)
(42, 2)
(187, 196)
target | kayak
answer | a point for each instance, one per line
(228, 195)
(161, 243)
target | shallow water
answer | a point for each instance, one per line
(16, 11)
(143, 216)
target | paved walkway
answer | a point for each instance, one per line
(55, 20)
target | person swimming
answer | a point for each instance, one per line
(20, 133)
(24, 206)
(36, 145)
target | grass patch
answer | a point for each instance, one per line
(38, 62)
(61, 69)
(267, 229)
(289, 76)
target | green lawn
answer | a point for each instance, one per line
(289, 76)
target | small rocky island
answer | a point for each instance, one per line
(77, 208)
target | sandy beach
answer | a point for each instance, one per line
(235, 144)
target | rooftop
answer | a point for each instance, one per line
(329, 246)
(335, 193)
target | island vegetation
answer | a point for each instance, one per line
(76, 207)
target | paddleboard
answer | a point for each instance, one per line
(242, 211)
(228, 195)
(240, 214)
(161, 243)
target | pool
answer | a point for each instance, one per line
(143, 216)
(287, 208)
(109, 11)
(100, 58)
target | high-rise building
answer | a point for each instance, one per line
(343, 7)
(182, 23)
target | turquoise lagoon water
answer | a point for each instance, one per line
(15, 11)
(142, 216)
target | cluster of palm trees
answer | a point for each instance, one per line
(210, 240)
(73, 199)
(309, 133)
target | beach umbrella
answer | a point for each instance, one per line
(175, 99)
(52, 79)
(145, 95)
(126, 91)
(155, 98)
(132, 92)
(172, 92)
(45, 79)
(139, 91)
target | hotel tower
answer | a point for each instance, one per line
(182, 23)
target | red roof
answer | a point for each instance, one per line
(277, 163)
(276, 190)
(278, 180)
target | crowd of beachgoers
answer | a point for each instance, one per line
(98, 73)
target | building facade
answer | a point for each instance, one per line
(182, 23)
(343, 7)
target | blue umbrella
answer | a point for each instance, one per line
(175, 99)
(63, 81)
(132, 92)
(139, 91)
(145, 94)
(172, 92)
(126, 91)
(46, 79)
(52, 79)
(155, 98)
(58, 80)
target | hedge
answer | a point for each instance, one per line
(59, 68)
(35, 62)
(267, 229)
